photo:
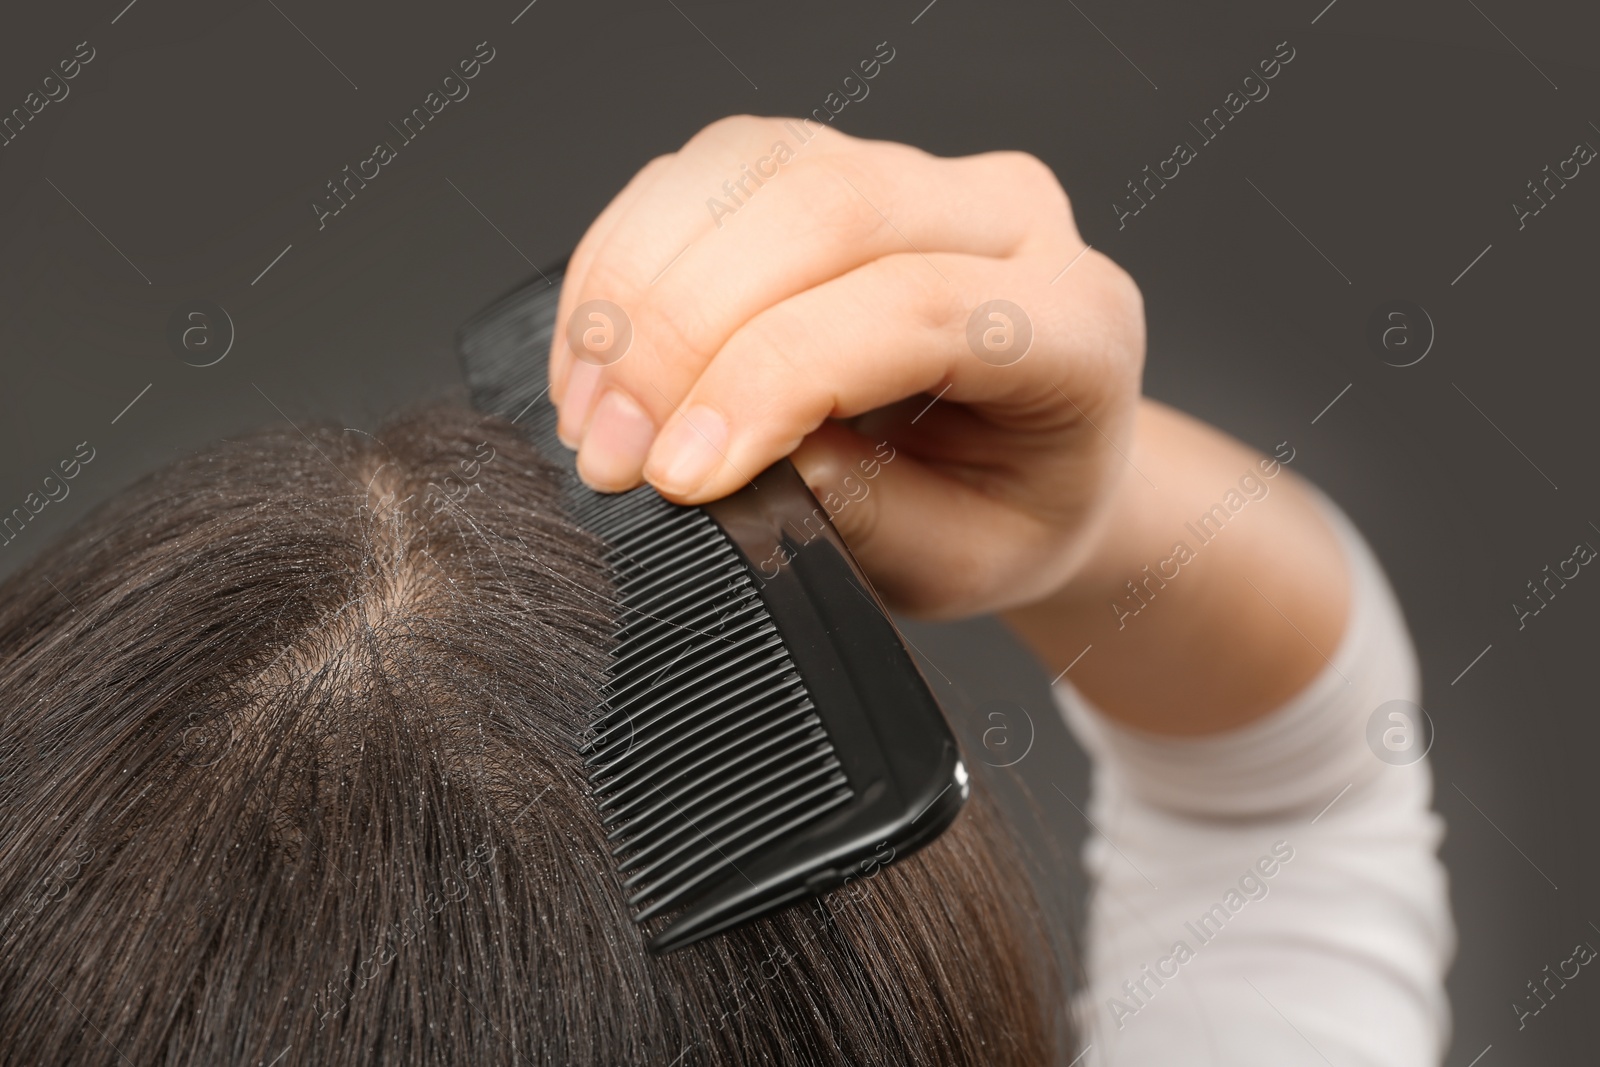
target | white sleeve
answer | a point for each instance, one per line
(1271, 895)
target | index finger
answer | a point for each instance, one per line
(1032, 362)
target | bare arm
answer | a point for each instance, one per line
(1239, 586)
(1006, 388)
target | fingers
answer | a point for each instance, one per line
(899, 326)
(655, 224)
(561, 357)
(828, 214)
(686, 286)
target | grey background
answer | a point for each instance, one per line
(1396, 141)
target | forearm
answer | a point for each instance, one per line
(1216, 591)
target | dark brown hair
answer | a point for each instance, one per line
(290, 775)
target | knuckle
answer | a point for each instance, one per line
(940, 309)
(1031, 168)
(729, 130)
(1037, 185)
(680, 331)
(930, 310)
(583, 256)
(826, 134)
(658, 162)
(652, 170)
(1130, 295)
(774, 337)
(1120, 293)
(1033, 174)
(1111, 306)
(838, 196)
(611, 277)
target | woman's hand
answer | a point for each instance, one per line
(791, 289)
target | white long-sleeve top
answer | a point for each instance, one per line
(1272, 895)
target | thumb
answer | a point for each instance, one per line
(922, 537)
(842, 468)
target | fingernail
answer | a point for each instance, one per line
(689, 450)
(616, 442)
(581, 382)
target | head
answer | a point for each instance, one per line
(289, 774)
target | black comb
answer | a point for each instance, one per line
(765, 734)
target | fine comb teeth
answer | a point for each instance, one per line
(710, 746)
(764, 734)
